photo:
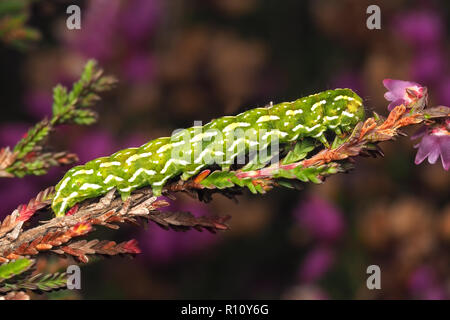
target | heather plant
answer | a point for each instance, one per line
(221, 58)
(31, 155)
(22, 240)
(14, 31)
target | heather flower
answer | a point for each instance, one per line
(96, 38)
(423, 284)
(139, 19)
(320, 219)
(435, 143)
(402, 92)
(421, 28)
(139, 68)
(316, 264)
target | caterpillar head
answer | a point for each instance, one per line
(356, 107)
(353, 109)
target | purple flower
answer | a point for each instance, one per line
(316, 264)
(96, 38)
(139, 19)
(423, 284)
(435, 143)
(320, 219)
(139, 68)
(421, 28)
(402, 92)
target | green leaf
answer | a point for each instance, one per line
(228, 179)
(39, 282)
(84, 117)
(9, 7)
(260, 160)
(219, 179)
(59, 100)
(300, 174)
(311, 174)
(287, 184)
(88, 100)
(289, 174)
(338, 141)
(48, 282)
(76, 92)
(14, 268)
(300, 151)
(86, 76)
(34, 136)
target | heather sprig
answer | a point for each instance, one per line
(13, 29)
(31, 156)
(307, 162)
(435, 135)
(18, 275)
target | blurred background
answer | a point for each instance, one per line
(178, 61)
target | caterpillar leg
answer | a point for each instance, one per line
(324, 141)
(124, 195)
(188, 174)
(202, 176)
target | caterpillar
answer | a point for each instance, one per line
(189, 151)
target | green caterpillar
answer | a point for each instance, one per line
(215, 143)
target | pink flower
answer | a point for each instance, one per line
(435, 143)
(420, 27)
(320, 218)
(96, 38)
(139, 67)
(402, 92)
(316, 264)
(424, 284)
(139, 19)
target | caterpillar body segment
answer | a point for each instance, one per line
(221, 141)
